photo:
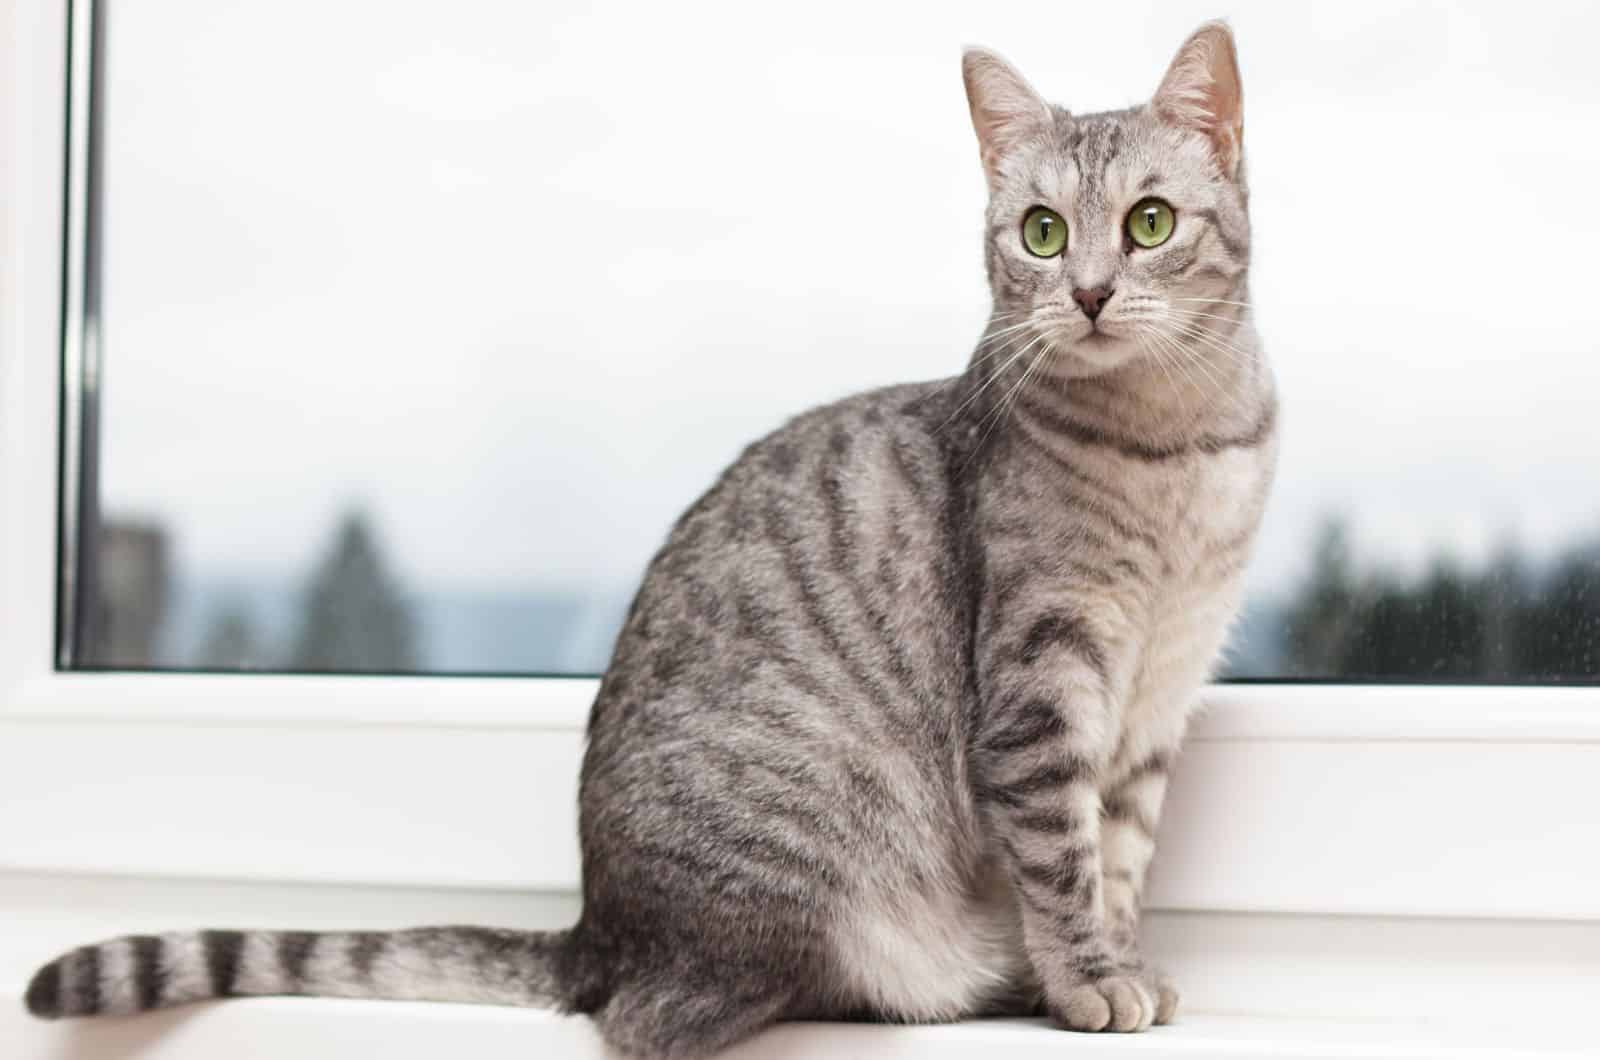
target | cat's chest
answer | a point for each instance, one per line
(1204, 523)
(1205, 507)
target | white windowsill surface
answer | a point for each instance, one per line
(1254, 985)
(259, 1029)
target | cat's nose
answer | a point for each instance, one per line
(1091, 299)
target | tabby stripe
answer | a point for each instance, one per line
(1037, 720)
(149, 976)
(1065, 875)
(1057, 822)
(1120, 808)
(805, 583)
(1068, 917)
(1054, 775)
(1208, 269)
(845, 560)
(44, 991)
(1005, 586)
(1053, 420)
(1109, 498)
(364, 950)
(734, 838)
(1084, 572)
(223, 950)
(1157, 762)
(757, 624)
(726, 881)
(787, 800)
(1061, 629)
(1185, 261)
(294, 952)
(1048, 912)
(1128, 567)
(1234, 248)
(992, 793)
(1256, 435)
(910, 474)
(1095, 967)
(1087, 538)
(1078, 431)
(85, 982)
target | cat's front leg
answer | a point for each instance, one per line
(1043, 746)
(1130, 809)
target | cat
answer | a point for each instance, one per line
(888, 727)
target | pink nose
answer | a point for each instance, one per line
(1091, 299)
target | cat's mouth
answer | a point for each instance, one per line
(1099, 339)
(1098, 349)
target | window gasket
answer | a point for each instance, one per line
(81, 227)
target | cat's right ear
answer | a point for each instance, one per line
(1006, 110)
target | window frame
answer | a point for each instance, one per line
(98, 770)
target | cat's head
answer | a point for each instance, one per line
(1111, 235)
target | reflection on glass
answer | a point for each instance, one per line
(1513, 620)
(1516, 618)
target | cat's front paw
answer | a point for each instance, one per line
(1155, 983)
(1114, 1003)
(1130, 1000)
(1166, 996)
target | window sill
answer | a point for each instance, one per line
(1254, 985)
(278, 1027)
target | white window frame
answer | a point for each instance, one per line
(1418, 800)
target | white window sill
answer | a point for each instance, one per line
(302, 1028)
(1254, 985)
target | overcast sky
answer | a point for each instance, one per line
(522, 277)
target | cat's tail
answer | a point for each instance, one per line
(467, 964)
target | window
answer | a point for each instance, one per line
(1342, 806)
(409, 359)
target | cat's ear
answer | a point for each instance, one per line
(1202, 92)
(1005, 108)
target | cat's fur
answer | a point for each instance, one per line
(888, 728)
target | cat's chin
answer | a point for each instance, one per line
(1095, 353)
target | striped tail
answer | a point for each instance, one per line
(466, 964)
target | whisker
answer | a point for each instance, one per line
(1215, 301)
(1209, 316)
(1004, 347)
(1178, 359)
(1186, 319)
(1238, 354)
(1223, 394)
(999, 318)
(998, 372)
(1155, 352)
(979, 358)
(992, 335)
(1008, 402)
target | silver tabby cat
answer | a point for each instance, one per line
(888, 728)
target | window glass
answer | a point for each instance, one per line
(419, 330)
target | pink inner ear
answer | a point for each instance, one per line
(1005, 108)
(1201, 91)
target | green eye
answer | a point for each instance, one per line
(1150, 223)
(1044, 232)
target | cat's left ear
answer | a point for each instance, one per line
(1202, 92)
(1006, 111)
